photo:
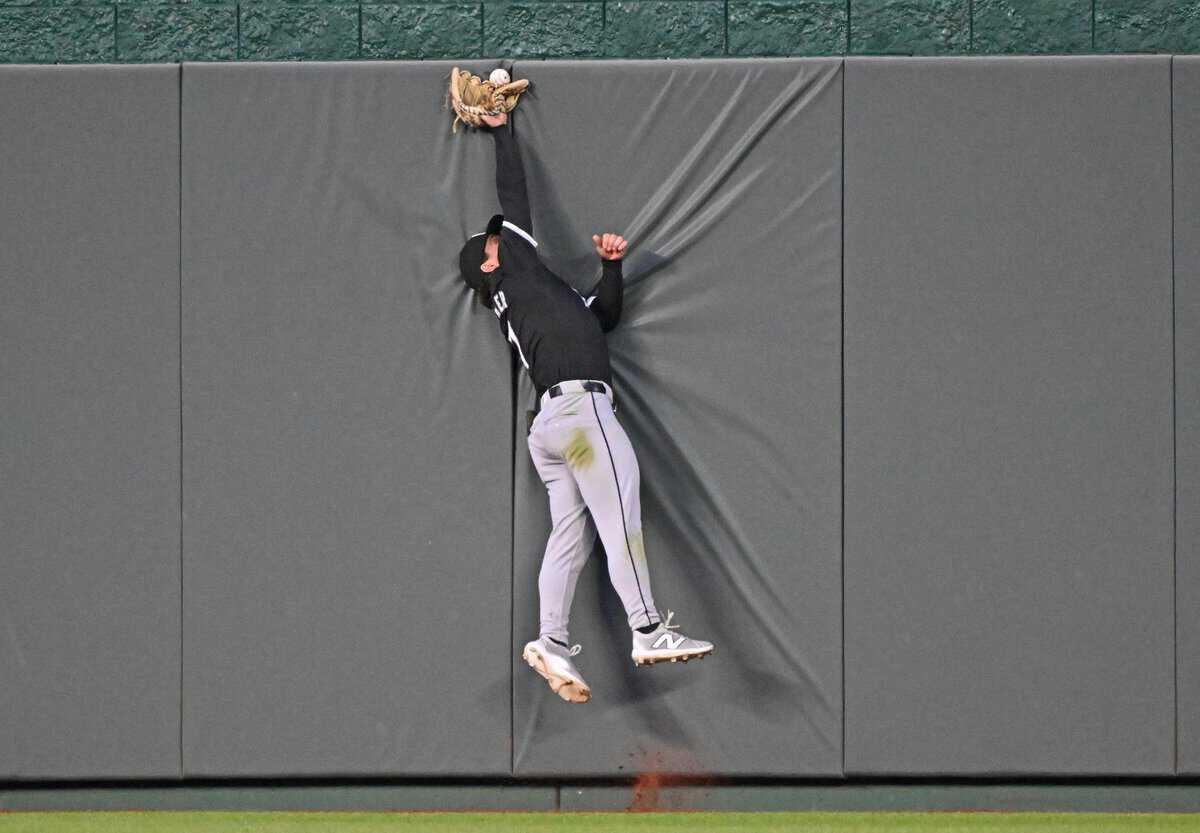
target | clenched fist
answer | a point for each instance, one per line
(610, 246)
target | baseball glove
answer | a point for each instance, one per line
(473, 97)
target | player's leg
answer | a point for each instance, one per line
(572, 536)
(611, 487)
(609, 481)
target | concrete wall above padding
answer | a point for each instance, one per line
(89, 422)
(1008, 547)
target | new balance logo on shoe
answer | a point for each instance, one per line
(672, 642)
(672, 647)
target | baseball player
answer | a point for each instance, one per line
(579, 449)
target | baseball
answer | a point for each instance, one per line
(499, 77)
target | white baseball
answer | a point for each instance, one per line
(499, 77)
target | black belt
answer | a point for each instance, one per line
(594, 387)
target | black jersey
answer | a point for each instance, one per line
(556, 333)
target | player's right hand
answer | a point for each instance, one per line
(610, 246)
(495, 121)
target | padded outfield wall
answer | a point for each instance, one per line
(909, 357)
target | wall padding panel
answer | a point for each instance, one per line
(1008, 548)
(89, 409)
(726, 178)
(1186, 111)
(348, 460)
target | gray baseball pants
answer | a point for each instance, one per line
(591, 474)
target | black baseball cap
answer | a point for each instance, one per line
(472, 253)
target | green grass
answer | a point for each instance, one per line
(321, 822)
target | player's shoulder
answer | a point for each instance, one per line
(513, 233)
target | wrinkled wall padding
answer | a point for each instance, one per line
(1008, 465)
(346, 409)
(89, 422)
(726, 177)
(353, 460)
(1186, 109)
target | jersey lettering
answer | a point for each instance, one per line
(499, 303)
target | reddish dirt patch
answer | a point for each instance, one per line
(669, 780)
(647, 791)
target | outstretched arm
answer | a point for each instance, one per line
(510, 174)
(609, 292)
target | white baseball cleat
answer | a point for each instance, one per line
(553, 662)
(660, 645)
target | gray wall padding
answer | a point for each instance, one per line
(348, 454)
(89, 421)
(1186, 110)
(726, 177)
(1008, 563)
(362, 526)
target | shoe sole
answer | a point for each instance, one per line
(673, 656)
(568, 688)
